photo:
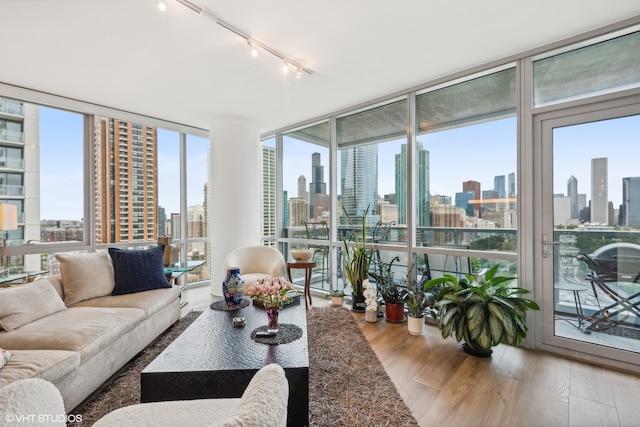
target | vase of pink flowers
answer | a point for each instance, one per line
(274, 293)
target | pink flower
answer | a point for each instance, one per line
(272, 291)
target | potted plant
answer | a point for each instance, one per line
(391, 291)
(356, 261)
(482, 310)
(336, 295)
(371, 302)
(417, 302)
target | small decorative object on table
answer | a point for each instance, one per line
(302, 255)
(233, 286)
(238, 322)
(273, 292)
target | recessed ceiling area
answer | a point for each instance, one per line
(179, 66)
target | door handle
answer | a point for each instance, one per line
(546, 243)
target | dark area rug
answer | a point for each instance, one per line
(347, 384)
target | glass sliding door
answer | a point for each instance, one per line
(590, 242)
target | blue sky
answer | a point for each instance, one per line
(477, 153)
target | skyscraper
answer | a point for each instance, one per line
(422, 190)
(475, 187)
(499, 186)
(572, 194)
(359, 181)
(511, 185)
(631, 201)
(462, 201)
(317, 186)
(599, 190)
(126, 179)
(268, 194)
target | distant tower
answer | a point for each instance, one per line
(422, 193)
(572, 194)
(359, 181)
(511, 185)
(317, 186)
(302, 188)
(599, 190)
(268, 196)
(631, 201)
(499, 186)
(475, 187)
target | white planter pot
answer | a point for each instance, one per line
(371, 316)
(416, 325)
(337, 301)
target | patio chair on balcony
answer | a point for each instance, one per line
(614, 276)
(319, 231)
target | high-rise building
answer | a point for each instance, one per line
(572, 194)
(476, 188)
(298, 211)
(268, 194)
(422, 189)
(599, 190)
(19, 128)
(317, 186)
(499, 186)
(631, 202)
(359, 180)
(126, 180)
(302, 188)
(511, 185)
(462, 201)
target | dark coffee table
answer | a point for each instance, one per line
(212, 359)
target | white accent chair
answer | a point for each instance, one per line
(263, 404)
(255, 262)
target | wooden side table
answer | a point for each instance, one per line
(308, 267)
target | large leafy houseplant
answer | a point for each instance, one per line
(356, 261)
(482, 310)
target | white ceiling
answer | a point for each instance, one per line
(182, 67)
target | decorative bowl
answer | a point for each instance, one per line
(301, 255)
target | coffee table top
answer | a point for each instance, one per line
(212, 343)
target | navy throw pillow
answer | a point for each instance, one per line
(138, 270)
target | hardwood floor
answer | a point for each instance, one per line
(444, 386)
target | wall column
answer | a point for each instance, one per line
(234, 194)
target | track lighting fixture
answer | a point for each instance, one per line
(253, 43)
(162, 6)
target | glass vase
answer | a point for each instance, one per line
(272, 318)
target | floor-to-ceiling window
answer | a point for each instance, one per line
(465, 188)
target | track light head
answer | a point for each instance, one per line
(254, 51)
(162, 6)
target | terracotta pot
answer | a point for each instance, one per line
(394, 312)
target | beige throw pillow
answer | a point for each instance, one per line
(86, 276)
(23, 304)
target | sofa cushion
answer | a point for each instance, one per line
(150, 301)
(50, 365)
(138, 270)
(83, 329)
(85, 276)
(23, 304)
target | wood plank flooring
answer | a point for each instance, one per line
(444, 386)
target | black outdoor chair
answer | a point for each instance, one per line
(615, 269)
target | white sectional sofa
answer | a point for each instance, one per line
(77, 329)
